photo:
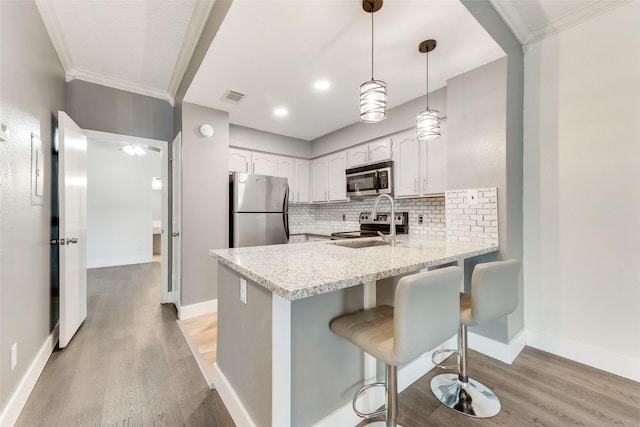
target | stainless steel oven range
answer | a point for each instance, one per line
(369, 226)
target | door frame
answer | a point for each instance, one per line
(165, 260)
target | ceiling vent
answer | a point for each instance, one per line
(233, 96)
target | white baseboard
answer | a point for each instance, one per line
(19, 398)
(115, 262)
(231, 400)
(505, 353)
(196, 355)
(596, 357)
(407, 375)
(198, 309)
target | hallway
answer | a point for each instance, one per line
(127, 365)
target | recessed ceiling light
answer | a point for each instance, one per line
(322, 85)
(280, 112)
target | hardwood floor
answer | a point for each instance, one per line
(127, 365)
(203, 332)
(538, 389)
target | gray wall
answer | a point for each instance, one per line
(253, 139)
(205, 187)
(399, 118)
(244, 343)
(32, 90)
(510, 196)
(106, 109)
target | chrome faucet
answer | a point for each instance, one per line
(392, 235)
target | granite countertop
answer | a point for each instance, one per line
(303, 270)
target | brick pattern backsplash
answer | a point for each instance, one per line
(472, 222)
(432, 210)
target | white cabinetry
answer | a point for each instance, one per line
(239, 160)
(407, 164)
(301, 181)
(328, 178)
(319, 180)
(420, 167)
(371, 152)
(263, 163)
(285, 168)
(337, 185)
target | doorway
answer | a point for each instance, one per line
(128, 203)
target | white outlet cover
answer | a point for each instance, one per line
(243, 291)
(472, 197)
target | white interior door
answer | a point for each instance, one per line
(72, 197)
(176, 221)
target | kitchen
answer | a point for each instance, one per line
(565, 327)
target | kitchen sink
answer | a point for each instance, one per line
(357, 243)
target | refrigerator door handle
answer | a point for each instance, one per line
(285, 219)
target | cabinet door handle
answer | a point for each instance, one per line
(424, 186)
(297, 196)
(415, 185)
(246, 167)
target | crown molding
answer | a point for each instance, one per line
(52, 24)
(127, 86)
(528, 36)
(199, 18)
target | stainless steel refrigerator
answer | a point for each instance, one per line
(258, 206)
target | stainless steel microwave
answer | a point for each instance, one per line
(370, 180)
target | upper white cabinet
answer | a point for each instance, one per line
(319, 191)
(239, 160)
(371, 152)
(285, 167)
(301, 181)
(407, 164)
(336, 166)
(264, 164)
(328, 179)
(420, 167)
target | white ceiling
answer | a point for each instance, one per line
(138, 46)
(274, 50)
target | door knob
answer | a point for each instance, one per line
(175, 234)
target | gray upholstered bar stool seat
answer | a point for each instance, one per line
(494, 294)
(424, 315)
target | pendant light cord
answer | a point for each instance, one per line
(372, 43)
(427, 54)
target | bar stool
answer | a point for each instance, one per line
(494, 294)
(425, 314)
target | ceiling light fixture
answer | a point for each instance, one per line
(133, 150)
(373, 94)
(428, 121)
(322, 85)
(280, 112)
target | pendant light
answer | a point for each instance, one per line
(428, 122)
(373, 94)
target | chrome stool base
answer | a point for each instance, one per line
(471, 398)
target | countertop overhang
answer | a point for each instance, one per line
(295, 271)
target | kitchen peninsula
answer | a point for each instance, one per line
(278, 363)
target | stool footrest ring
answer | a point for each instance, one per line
(368, 415)
(447, 352)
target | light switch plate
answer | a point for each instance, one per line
(14, 355)
(4, 132)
